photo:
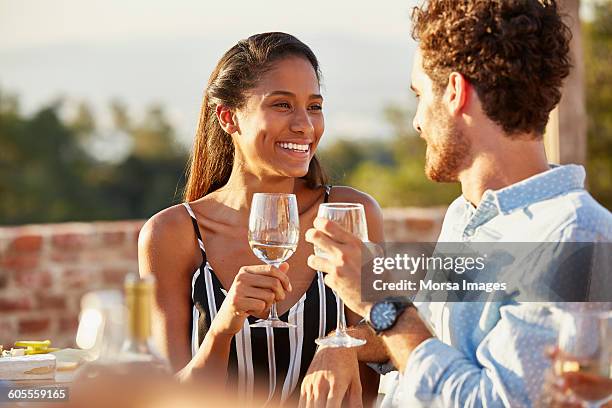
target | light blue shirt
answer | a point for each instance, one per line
(491, 354)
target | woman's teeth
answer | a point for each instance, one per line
(294, 146)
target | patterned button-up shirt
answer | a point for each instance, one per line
(491, 354)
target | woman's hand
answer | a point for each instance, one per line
(253, 291)
(333, 377)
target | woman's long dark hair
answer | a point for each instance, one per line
(212, 158)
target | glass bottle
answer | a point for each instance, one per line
(138, 348)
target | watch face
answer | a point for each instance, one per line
(383, 315)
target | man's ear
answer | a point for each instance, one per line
(227, 119)
(457, 92)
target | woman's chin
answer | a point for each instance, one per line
(295, 172)
(299, 174)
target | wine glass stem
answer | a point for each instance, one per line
(273, 314)
(341, 327)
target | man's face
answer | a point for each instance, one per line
(448, 149)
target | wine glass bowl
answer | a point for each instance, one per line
(274, 232)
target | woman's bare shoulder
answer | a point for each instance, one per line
(167, 237)
(169, 223)
(352, 195)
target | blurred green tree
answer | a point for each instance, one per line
(48, 172)
(83, 123)
(154, 137)
(343, 156)
(390, 169)
(40, 166)
(597, 36)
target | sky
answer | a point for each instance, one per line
(153, 51)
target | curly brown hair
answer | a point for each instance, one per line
(514, 52)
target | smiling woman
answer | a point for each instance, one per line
(240, 70)
(260, 124)
(277, 129)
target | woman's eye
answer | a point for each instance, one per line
(316, 107)
(283, 105)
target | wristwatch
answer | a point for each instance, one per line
(385, 313)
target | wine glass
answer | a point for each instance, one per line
(585, 353)
(352, 218)
(274, 232)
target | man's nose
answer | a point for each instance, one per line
(415, 124)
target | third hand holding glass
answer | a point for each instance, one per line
(584, 357)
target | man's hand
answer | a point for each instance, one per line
(343, 264)
(333, 376)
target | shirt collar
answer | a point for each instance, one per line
(554, 182)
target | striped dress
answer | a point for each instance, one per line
(264, 360)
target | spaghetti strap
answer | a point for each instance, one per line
(327, 193)
(194, 221)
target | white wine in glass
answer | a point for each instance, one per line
(274, 232)
(585, 353)
(352, 218)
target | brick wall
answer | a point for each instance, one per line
(46, 269)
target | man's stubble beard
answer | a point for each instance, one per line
(449, 153)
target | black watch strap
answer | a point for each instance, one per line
(400, 303)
